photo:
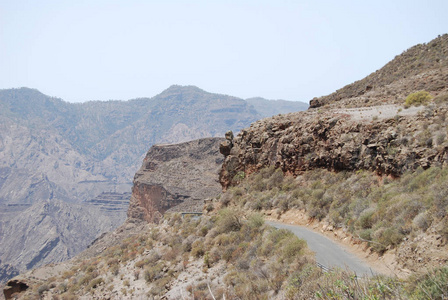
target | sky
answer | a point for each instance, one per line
(277, 49)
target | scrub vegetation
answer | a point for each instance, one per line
(253, 260)
(380, 210)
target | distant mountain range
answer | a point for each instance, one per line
(87, 154)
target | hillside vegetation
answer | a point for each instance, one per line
(421, 67)
(363, 162)
(381, 211)
(223, 255)
(87, 154)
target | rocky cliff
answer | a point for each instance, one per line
(364, 125)
(185, 173)
(337, 140)
(49, 231)
(87, 153)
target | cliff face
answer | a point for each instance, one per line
(87, 153)
(170, 175)
(48, 231)
(339, 140)
(363, 125)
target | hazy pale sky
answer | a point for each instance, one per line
(278, 49)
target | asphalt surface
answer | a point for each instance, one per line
(328, 253)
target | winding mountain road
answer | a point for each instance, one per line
(328, 253)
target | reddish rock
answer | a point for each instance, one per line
(175, 174)
(305, 140)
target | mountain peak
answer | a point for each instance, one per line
(180, 89)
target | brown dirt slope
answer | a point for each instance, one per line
(361, 126)
(422, 67)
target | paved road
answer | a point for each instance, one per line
(328, 253)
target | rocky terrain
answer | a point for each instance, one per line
(331, 136)
(172, 175)
(303, 141)
(50, 231)
(353, 136)
(363, 163)
(422, 67)
(86, 154)
(112, 205)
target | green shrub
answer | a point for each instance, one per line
(275, 180)
(293, 248)
(158, 286)
(366, 235)
(239, 176)
(228, 220)
(95, 283)
(69, 296)
(385, 237)
(256, 220)
(197, 249)
(441, 138)
(43, 288)
(365, 220)
(153, 273)
(417, 98)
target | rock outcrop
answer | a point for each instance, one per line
(14, 287)
(113, 205)
(184, 173)
(338, 141)
(363, 125)
(51, 149)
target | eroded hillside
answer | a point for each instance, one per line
(365, 125)
(422, 67)
(363, 165)
(87, 154)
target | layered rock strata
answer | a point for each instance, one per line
(184, 173)
(339, 141)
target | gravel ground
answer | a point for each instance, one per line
(380, 112)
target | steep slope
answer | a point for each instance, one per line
(228, 253)
(360, 164)
(182, 174)
(349, 131)
(178, 114)
(375, 174)
(88, 148)
(422, 67)
(364, 125)
(338, 141)
(87, 153)
(49, 231)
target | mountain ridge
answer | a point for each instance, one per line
(363, 164)
(87, 153)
